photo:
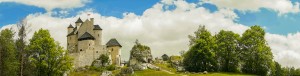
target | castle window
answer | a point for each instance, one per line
(70, 38)
(112, 49)
(98, 35)
(80, 49)
(89, 44)
(96, 51)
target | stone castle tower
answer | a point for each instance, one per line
(84, 43)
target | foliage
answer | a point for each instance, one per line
(111, 67)
(201, 55)
(278, 71)
(8, 54)
(165, 57)
(47, 57)
(227, 51)
(104, 59)
(257, 56)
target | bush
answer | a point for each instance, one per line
(111, 67)
(99, 69)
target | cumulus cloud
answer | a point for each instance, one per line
(285, 49)
(49, 5)
(280, 6)
(165, 31)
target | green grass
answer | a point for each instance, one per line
(166, 67)
(85, 73)
(162, 73)
(149, 72)
(219, 74)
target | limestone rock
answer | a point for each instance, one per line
(139, 55)
(127, 71)
(150, 66)
(107, 73)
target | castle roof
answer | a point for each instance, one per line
(79, 20)
(73, 32)
(97, 27)
(86, 36)
(113, 42)
(70, 26)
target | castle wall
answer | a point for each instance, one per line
(98, 36)
(86, 53)
(72, 43)
(115, 55)
(86, 27)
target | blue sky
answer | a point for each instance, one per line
(11, 13)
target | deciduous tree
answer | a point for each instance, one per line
(47, 56)
(227, 51)
(201, 55)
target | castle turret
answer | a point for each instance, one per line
(78, 23)
(70, 28)
(98, 34)
(114, 47)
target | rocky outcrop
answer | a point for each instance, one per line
(140, 55)
(107, 73)
(127, 71)
(176, 62)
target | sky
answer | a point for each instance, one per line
(164, 25)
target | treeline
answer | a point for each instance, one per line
(42, 56)
(230, 52)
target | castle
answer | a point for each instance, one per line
(84, 44)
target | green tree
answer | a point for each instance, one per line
(21, 44)
(165, 57)
(278, 70)
(201, 56)
(257, 56)
(227, 51)
(104, 59)
(8, 54)
(48, 58)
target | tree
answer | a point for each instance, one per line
(278, 70)
(227, 51)
(201, 56)
(47, 56)
(104, 59)
(21, 45)
(8, 57)
(165, 57)
(256, 54)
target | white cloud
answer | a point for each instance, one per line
(49, 5)
(285, 49)
(280, 6)
(165, 31)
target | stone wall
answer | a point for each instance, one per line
(115, 55)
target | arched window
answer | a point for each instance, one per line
(80, 49)
(98, 35)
